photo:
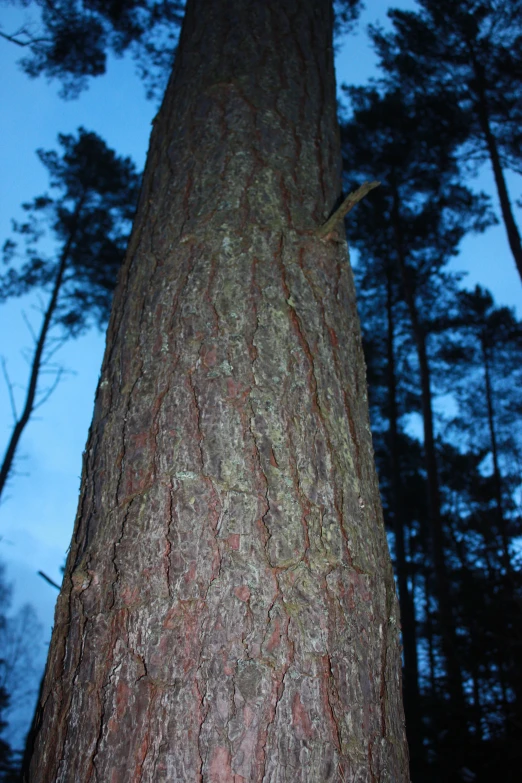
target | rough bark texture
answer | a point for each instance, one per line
(228, 611)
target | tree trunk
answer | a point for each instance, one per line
(512, 231)
(405, 598)
(497, 480)
(407, 606)
(436, 533)
(228, 610)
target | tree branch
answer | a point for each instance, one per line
(10, 389)
(349, 202)
(22, 31)
(48, 579)
(47, 393)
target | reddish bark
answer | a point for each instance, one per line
(228, 611)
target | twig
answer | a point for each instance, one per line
(23, 31)
(349, 202)
(10, 389)
(29, 327)
(47, 393)
(48, 579)
(58, 342)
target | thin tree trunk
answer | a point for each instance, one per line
(228, 610)
(36, 364)
(512, 231)
(507, 577)
(429, 639)
(506, 558)
(445, 613)
(477, 705)
(407, 608)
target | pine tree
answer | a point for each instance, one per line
(90, 220)
(228, 609)
(467, 54)
(70, 40)
(406, 234)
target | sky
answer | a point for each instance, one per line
(37, 513)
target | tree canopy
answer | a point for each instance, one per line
(89, 220)
(72, 39)
(467, 55)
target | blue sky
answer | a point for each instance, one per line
(37, 516)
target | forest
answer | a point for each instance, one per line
(443, 361)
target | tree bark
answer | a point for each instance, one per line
(228, 610)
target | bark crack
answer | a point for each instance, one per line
(199, 433)
(335, 724)
(115, 551)
(168, 547)
(113, 669)
(279, 690)
(124, 438)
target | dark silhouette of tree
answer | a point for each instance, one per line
(6, 753)
(19, 671)
(90, 220)
(73, 38)
(485, 354)
(406, 233)
(469, 54)
(387, 349)
(483, 563)
(228, 608)
(9, 771)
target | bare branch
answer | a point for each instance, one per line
(23, 31)
(59, 342)
(46, 394)
(48, 579)
(10, 389)
(349, 202)
(29, 326)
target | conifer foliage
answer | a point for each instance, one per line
(469, 55)
(89, 220)
(451, 486)
(73, 38)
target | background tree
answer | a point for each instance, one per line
(469, 55)
(486, 352)
(9, 770)
(387, 345)
(228, 587)
(20, 667)
(90, 221)
(7, 765)
(71, 39)
(422, 213)
(415, 321)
